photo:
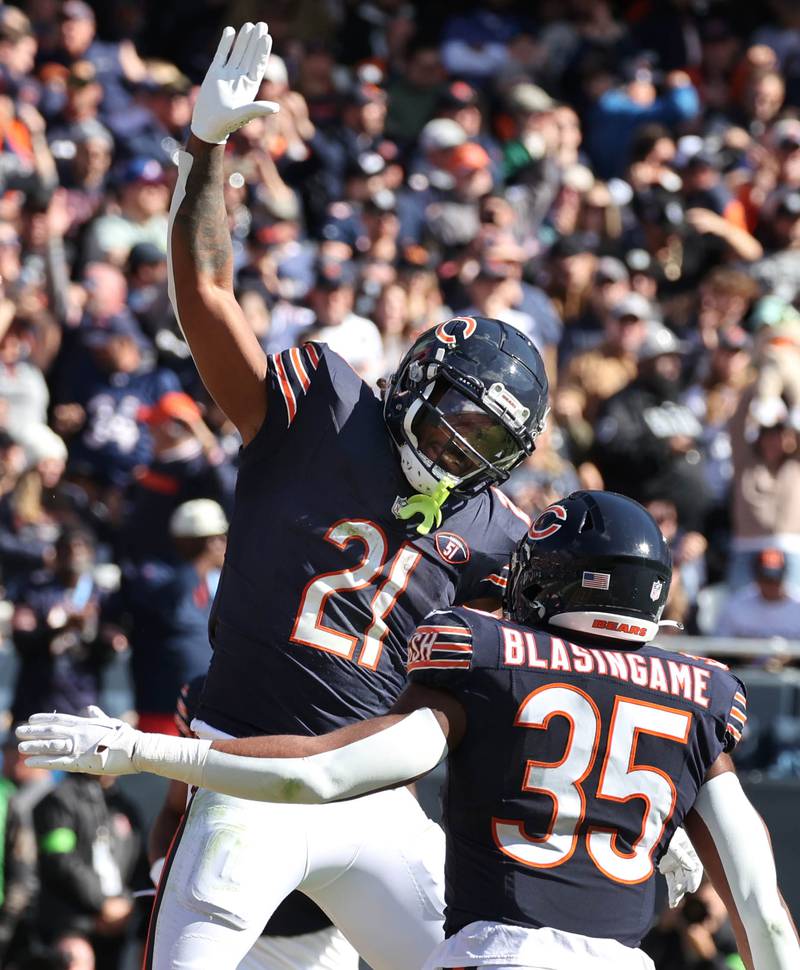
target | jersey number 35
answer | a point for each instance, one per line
(620, 780)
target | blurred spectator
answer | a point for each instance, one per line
(187, 463)
(22, 385)
(618, 112)
(646, 442)
(354, 337)
(116, 64)
(713, 400)
(89, 846)
(766, 476)
(594, 376)
(29, 520)
(414, 95)
(688, 561)
(697, 935)
(474, 45)
(97, 405)
(21, 790)
(167, 605)
(546, 476)
(536, 136)
(142, 217)
(61, 643)
(766, 608)
(17, 49)
(146, 272)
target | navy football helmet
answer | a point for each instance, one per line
(595, 562)
(466, 404)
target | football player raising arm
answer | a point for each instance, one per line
(200, 256)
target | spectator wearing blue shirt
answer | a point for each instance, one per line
(475, 45)
(619, 112)
(101, 397)
(117, 64)
(167, 608)
(61, 644)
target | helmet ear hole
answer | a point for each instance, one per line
(531, 592)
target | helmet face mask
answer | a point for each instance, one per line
(466, 404)
(453, 434)
(595, 563)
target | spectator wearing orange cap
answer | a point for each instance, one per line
(454, 219)
(187, 464)
(769, 607)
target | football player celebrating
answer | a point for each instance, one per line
(575, 747)
(354, 518)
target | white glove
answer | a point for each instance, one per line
(681, 867)
(94, 745)
(225, 101)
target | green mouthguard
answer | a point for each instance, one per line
(428, 506)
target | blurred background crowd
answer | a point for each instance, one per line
(620, 180)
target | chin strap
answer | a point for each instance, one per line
(428, 506)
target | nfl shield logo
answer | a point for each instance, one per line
(655, 590)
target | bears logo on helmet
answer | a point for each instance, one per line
(449, 331)
(544, 526)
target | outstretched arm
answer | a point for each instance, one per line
(200, 256)
(364, 757)
(733, 844)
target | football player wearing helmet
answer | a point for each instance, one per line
(354, 518)
(575, 747)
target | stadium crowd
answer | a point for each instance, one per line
(621, 181)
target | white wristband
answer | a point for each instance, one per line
(182, 759)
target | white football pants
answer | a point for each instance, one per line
(325, 949)
(374, 864)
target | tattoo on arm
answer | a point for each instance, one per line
(202, 220)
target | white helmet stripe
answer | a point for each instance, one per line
(615, 626)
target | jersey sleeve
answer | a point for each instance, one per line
(737, 716)
(439, 650)
(488, 574)
(289, 377)
(295, 377)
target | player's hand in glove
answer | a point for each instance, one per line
(94, 745)
(681, 867)
(225, 101)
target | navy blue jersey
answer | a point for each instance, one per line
(323, 585)
(167, 608)
(112, 441)
(577, 765)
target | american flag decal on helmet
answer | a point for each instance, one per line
(596, 580)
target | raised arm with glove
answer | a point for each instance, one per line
(199, 254)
